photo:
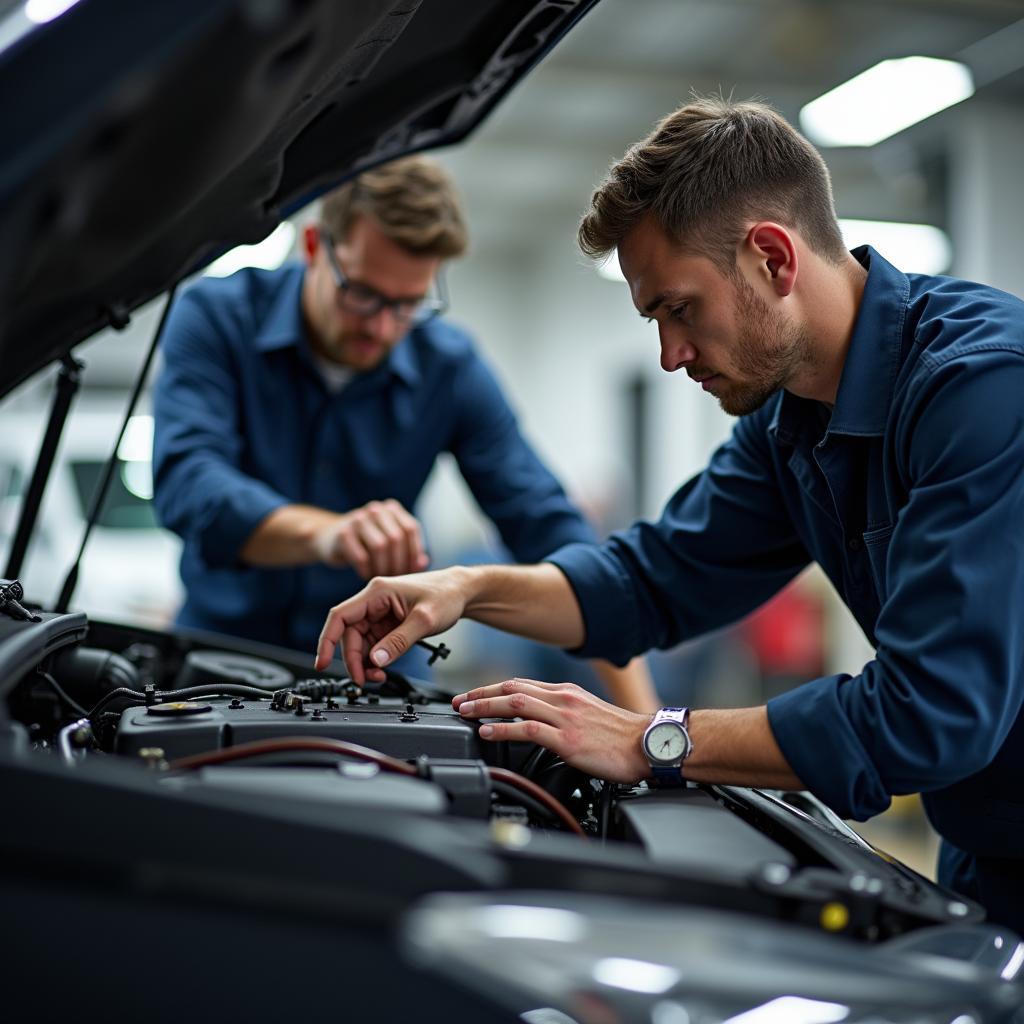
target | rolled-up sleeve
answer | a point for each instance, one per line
(947, 682)
(199, 491)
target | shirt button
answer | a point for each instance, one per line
(853, 543)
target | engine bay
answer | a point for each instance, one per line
(201, 716)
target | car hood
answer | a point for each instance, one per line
(148, 138)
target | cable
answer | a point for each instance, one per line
(389, 764)
(73, 704)
(190, 692)
(541, 795)
(535, 807)
(297, 743)
(121, 691)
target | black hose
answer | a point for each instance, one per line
(190, 692)
(517, 796)
(55, 686)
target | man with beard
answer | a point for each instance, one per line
(300, 411)
(881, 434)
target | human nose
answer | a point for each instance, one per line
(382, 323)
(676, 351)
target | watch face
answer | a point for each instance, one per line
(666, 742)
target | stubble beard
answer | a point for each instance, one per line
(769, 352)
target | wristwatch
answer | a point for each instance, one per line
(666, 744)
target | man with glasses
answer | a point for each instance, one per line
(299, 413)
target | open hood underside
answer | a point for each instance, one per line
(146, 139)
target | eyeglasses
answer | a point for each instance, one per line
(363, 300)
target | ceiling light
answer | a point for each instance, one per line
(884, 100)
(914, 248)
(266, 255)
(137, 442)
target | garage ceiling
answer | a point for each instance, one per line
(530, 169)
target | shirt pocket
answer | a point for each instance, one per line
(876, 544)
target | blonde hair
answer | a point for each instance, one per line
(413, 201)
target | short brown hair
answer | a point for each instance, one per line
(706, 171)
(413, 200)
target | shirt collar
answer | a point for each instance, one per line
(872, 361)
(283, 326)
(282, 323)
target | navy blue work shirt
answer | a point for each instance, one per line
(245, 424)
(910, 495)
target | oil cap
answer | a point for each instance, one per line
(179, 709)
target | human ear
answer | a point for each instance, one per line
(774, 250)
(310, 243)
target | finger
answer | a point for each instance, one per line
(377, 547)
(508, 686)
(528, 732)
(353, 552)
(338, 619)
(413, 537)
(514, 705)
(353, 650)
(395, 529)
(397, 642)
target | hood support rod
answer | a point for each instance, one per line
(98, 498)
(68, 381)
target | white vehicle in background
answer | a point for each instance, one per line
(130, 568)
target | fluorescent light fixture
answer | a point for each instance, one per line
(137, 478)
(884, 100)
(610, 269)
(635, 975)
(136, 452)
(137, 442)
(266, 255)
(41, 11)
(914, 248)
(793, 1010)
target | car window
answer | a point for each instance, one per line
(128, 504)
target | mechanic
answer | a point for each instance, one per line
(300, 411)
(880, 433)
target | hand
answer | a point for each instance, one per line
(379, 539)
(585, 731)
(387, 617)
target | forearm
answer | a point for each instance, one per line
(736, 747)
(630, 687)
(535, 601)
(286, 536)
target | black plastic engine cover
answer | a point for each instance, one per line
(389, 727)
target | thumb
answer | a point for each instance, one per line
(394, 645)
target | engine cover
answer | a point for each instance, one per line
(390, 726)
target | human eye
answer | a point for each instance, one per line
(680, 311)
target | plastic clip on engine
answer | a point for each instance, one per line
(11, 593)
(436, 650)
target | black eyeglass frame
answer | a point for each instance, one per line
(425, 309)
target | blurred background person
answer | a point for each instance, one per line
(300, 411)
